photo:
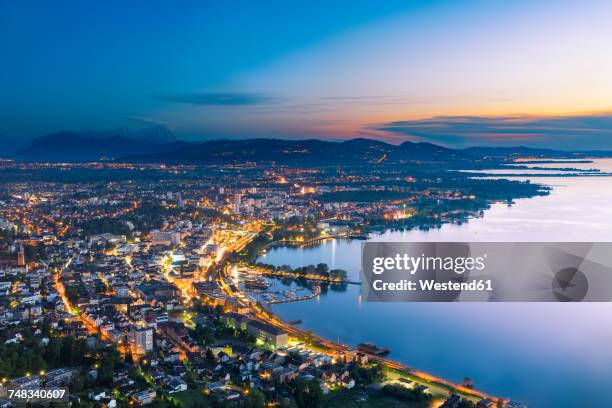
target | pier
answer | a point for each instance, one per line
(316, 292)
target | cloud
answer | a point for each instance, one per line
(590, 131)
(219, 99)
(378, 99)
(146, 121)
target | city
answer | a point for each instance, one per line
(142, 291)
(305, 204)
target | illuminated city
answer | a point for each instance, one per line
(207, 204)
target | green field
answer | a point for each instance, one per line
(191, 399)
(359, 399)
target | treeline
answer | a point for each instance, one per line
(404, 394)
(320, 269)
(146, 217)
(30, 356)
(74, 292)
(305, 393)
(363, 196)
(488, 189)
(105, 226)
(366, 375)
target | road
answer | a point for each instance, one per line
(87, 322)
(333, 349)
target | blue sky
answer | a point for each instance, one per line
(393, 70)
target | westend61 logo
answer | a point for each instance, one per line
(486, 272)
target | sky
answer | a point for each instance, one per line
(457, 73)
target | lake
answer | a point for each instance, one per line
(542, 354)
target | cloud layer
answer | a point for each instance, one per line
(214, 98)
(592, 131)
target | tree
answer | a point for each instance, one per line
(77, 384)
(307, 394)
(287, 403)
(405, 394)
(254, 399)
(322, 269)
(295, 358)
(210, 357)
(367, 375)
(202, 334)
(110, 358)
(53, 351)
(66, 350)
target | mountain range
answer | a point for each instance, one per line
(95, 145)
(158, 145)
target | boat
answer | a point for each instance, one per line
(256, 283)
(371, 348)
(294, 322)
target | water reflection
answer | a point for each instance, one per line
(548, 355)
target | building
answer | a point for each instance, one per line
(21, 256)
(157, 291)
(263, 332)
(59, 377)
(485, 403)
(178, 334)
(144, 397)
(165, 238)
(235, 321)
(122, 291)
(176, 385)
(237, 202)
(141, 340)
(214, 386)
(267, 334)
(454, 401)
(27, 382)
(210, 291)
(106, 238)
(286, 374)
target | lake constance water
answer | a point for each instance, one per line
(543, 354)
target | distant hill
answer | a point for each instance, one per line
(519, 151)
(355, 151)
(158, 145)
(281, 151)
(410, 151)
(523, 151)
(153, 134)
(86, 146)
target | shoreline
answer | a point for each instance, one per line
(442, 386)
